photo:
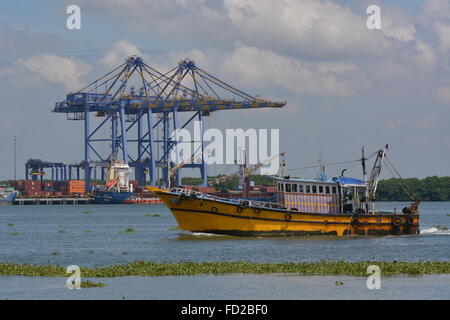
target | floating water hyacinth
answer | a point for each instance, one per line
(128, 230)
(149, 269)
(90, 284)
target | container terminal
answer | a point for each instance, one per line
(131, 112)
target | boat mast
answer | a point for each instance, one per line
(363, 162)
(375, 175)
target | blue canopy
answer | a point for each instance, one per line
(349, 181)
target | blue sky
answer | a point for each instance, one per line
(346, 86)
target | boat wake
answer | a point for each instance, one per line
(436, 230)
(203, 234)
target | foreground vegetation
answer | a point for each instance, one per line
(149, 269)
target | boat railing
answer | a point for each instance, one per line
(246, 203)
(190, 192)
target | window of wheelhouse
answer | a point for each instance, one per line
(320, 189)
(288, 187)
(279, 186)
(300, 188)
(314, 189)
(294, 187)
(308, 189)
(334, 190)
(327, 189)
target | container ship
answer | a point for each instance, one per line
(118, 189)
(340, 206)
(7, 195)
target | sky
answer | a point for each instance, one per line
(345, 85)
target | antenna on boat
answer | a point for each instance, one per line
(363, 163)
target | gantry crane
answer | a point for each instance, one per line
(155, 105)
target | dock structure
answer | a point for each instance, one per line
(135, 104)
(56, 201)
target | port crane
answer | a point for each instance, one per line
(136, 101)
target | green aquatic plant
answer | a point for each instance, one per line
(87, 212)
(174, 228)
(88, 231)
(339, 283)
(149, 269)
(90, 284)
(62, 231)
(151, 215)
(127, 231)
(15, 233)
(10, 224)
(56, 253)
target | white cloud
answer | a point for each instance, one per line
(119, 52)
(304, 26)
(261, 68)
(57, 69)
(443, 33)
(433, 10)
(397, 25)
(424, 55)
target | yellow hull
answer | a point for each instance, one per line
(211, 215)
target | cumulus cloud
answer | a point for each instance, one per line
(119, 52)
(57, 69)
(433, 10)
(304, 26)
(256, 67)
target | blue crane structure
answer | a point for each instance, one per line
(154, 106)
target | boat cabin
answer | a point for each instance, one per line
(337, 195)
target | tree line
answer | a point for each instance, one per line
(427, 189)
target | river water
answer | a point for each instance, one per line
(95, 235)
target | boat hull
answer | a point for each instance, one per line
(110, 197)
(8, 198)
(198, 214)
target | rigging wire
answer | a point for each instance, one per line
(331, 164)
(399, 179)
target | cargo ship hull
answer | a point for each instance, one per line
(111, 197)
(212, 215)
(8, 198)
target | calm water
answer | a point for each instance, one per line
(230, 287)
(93, 236)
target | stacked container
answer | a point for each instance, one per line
(76, 186)
(32, 188)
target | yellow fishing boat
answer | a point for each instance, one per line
(340, 207)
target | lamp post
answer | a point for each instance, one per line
(15, 157)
